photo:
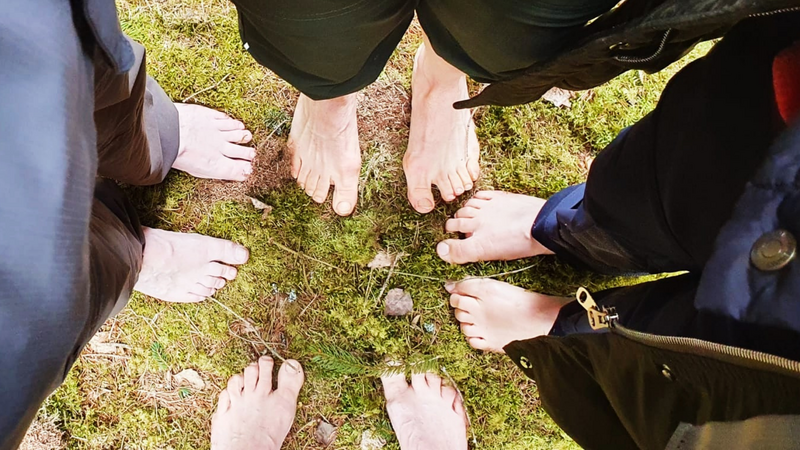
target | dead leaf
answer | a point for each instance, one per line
(191, 378)
(369, 441)
(325, 433)
(100, 345)
(558, 97)
(382, 259)
(258, 204)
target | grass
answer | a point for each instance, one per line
(307, 290)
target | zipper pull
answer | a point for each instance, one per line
(599, 316)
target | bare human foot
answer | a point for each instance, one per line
(252, 416)
(443, 148)
(208, 147)
(425, 415)
(497, 226)
(493, 314)
(187, 268)
(325, 150)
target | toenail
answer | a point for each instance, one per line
(242, 254)
(425, 204)
(468, 187)
(460, 191)
(449, 286)
(248, 170)
(443, 249)
(343, 207)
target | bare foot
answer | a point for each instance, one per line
(250, 415)
(325, 150)
(498, 228)
(208, 144)
(186, 268)
(442, 146)
(493, 314)
(425, 415)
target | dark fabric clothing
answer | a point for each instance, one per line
(639, 35)
(691, 187)
(611, 392)
(658, 196)
(331, 48)
(72, 248)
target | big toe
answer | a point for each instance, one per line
(459, 251)
(420, 195)
(344, 198)
(394, 384)
(228, 252)
(290, 378)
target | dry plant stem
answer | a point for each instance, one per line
(388, 277)
(277, 127)
(260, 339)
(213, 86)
(497, 275)
(296, 253)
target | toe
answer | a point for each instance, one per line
(457, 184)
(461, 225)
(345, 196)
(419, 193)
(485, 195)
(238, 152)
(458, 408)
(475, 287)
(466, 179)
(320, 193)
(310, 185)
(471, 331)
(464, 303)
(202, 291)
(464, 317)
(449, 394)
(394, 385)
(250, 377)
(212, 282)
(228, 252)
(235, 386)
(434, 382)
(460, 251)
(303, 174)
(216, 269)
(297, 162)
(446, 189)
(233, 169)
(224, 403)
(419, 383)
(265, 365)
(237, 136)
(467, 212)
(290, 379)
(480, 344)
(226, 123)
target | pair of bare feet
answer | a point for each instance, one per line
(251, 415)
(182, 267)
(442, 150)
(497, 226)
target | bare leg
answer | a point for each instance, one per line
(497, 226)
(425, 415)
(443, 147)
(325, 150)
(252, 416)
(184, 268)
(208, 147)
(493, 314)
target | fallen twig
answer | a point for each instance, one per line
(206, 89)
(260, 339)
(296, 253)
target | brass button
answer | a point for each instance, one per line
(667, 372)
(525, 363)
(773, 251)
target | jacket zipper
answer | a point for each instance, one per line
(668, 33)
(777, 11)
(602, 317)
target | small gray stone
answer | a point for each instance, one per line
(398, 303)
(325, 434)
